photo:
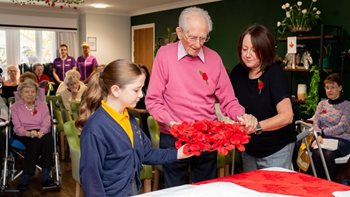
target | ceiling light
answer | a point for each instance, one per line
(100, 5)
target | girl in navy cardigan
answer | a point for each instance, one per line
(113, 147)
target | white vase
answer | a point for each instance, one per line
(301, 92)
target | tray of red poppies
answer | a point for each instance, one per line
(205, 135)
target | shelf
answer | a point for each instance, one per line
(296, 101)
(301, 69)
(327, 37)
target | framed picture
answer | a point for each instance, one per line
(92, 43)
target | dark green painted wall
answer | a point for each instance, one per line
(230, 17)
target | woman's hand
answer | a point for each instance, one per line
(181, 154)
(32, 134)
(40, 134)
(249, 122)
(314, 144)
(172, 123)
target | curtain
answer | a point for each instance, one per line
(12, 47)
(70, 39)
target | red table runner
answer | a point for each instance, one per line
(288, 183)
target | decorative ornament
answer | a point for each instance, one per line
(52, 3)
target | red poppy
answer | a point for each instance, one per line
(260, 85)
(209, 136)
(35, 111)
(204, 76)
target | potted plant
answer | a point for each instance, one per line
(308, 109)
(297, 18)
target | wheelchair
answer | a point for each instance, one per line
(14, 150)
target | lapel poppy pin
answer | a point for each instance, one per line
(204, 76)
(35, 112)
(260, 85)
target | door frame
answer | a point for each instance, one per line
(137, 27)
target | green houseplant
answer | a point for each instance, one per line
(308, 109)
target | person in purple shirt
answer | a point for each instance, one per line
(86, 63)
(31, 124)
(187, 80)
(63, 64)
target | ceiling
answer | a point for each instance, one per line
(118, 7)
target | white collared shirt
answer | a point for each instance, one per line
(181, 52)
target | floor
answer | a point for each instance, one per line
(34, 190)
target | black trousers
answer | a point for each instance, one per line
(202, 167)
(34, 148)
(329, 156)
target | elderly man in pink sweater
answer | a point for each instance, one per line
(187, 79)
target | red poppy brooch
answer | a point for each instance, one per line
(204, 76)
(260, 85)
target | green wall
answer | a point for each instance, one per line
(230, 17)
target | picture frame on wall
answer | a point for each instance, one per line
(92, 42)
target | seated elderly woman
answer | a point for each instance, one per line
(29, 75)
(31, 121)
(72, 90)
(12, 72)
(11, 82)
(42, 78)
(3, 120)
(332, 120)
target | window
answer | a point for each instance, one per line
(19, 46)
(37, 46)
(2, 48)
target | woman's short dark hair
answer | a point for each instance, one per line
(263, 42)
(334, 78)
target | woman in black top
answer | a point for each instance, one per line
(262, 89)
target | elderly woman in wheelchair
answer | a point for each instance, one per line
(31, 125)
(332, 120)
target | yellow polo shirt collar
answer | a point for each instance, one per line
(122, 119)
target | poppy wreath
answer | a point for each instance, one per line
(205, 135)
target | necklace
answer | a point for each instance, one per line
(30, 108)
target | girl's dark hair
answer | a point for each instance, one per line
(119, 72)
(263, 42)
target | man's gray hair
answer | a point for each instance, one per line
(186, 13)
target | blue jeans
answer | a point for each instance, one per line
(281, 158)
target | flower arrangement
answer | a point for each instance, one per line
(51, 3)
(209, 136)
(298, 18)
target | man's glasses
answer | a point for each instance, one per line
(194, 39)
